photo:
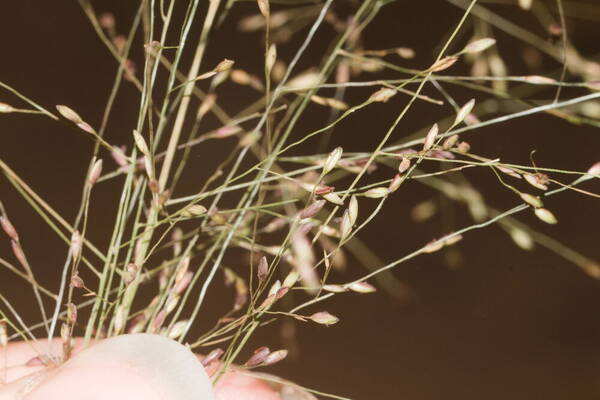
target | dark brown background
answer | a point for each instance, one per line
(507, 324)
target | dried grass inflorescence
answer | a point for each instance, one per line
(294, 215)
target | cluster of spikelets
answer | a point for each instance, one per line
(177, 244)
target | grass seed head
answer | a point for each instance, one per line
(345, 225)
(282, 292)
(404, 165)
(207, 104)
(444, 64)
(342, 73)
(182, 268)
(138, 324)
(430, 137)
(278, 72)
(71, 313)
(262, 270)
(107, 21)
(152, 47)
(362, 287)
(178, 329)
(479, 45)
(332, 160)
(509, 171)
(154, 186)
(268, 302)
(77, 282)
(423, 211)
(464, 111)
(171, 303)
(65, 333)
(275, 288)
(76, 245)
(522, 239)
(377, 192)
(532, 200)
(324, 318)
(240, 77)
(118, 155)
(19, 253)
(163, 278)
(6, 108)
(9, 228)
(312, 209)
(545, 215)
(177, 237)
(395, 183)
(241, 293)
(382, 95)
(433, 246)
(304, 81)
(194, 210)
(353, 210)
(120, 319)
(119, 41)
(334, 198)
(69, 114)
(140, 142)
(442, 154)
(131, 271)
(335, 288)
(525, 4)
(263, 6)
(213, 356)
(539, 80)
(183, 283)
(275, 357)
(224, 65)
(329, 102)
(463, 147)
(259, 357)
(290, 279)
(594, 170)
(95, 172)
(163, 197)
(405, 52)
(250, 139)
(85, 127)
(452, 240)
(271, 58)
(158, 321)
(536, 181)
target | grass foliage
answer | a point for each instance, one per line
(296, 214)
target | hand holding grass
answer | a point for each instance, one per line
(129, 367)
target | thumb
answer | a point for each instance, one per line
(132, 367)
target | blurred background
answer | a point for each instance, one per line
(485, 321)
